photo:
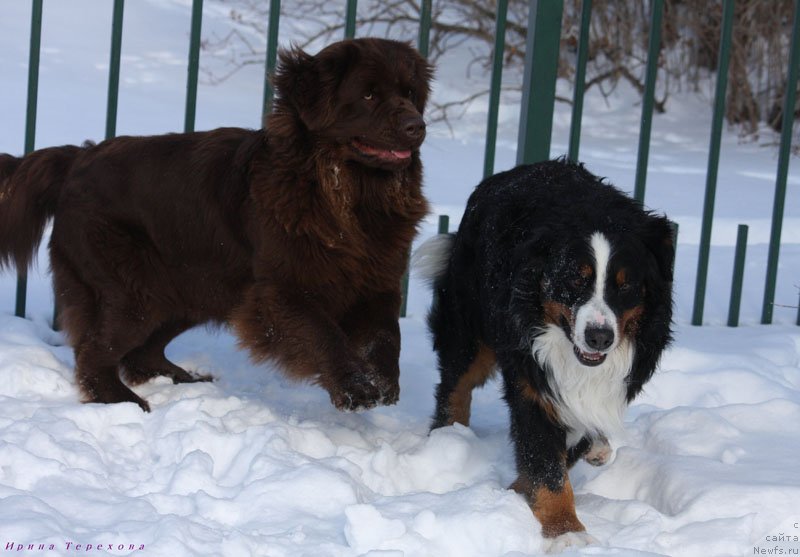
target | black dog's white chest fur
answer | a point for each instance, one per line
(590, 400)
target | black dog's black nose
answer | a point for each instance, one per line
(413, 127)
(599, 338)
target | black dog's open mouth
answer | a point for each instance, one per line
(589, 358)
(385, 155)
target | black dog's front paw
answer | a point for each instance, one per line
(599, 453)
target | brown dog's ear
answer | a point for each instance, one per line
(308, 84)
(296, 85)
(423, 76)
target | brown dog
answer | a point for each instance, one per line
(296, 235)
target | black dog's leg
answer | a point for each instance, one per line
(462, 367)
(541, 457)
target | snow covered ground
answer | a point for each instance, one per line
(256, 465)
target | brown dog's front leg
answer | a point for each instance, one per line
(277, 324)
(374, 332)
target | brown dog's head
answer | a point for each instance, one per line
(365, 97)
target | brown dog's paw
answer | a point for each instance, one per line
(363, 390)
(112, 394)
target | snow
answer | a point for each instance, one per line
(253, 464)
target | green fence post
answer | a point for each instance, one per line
(272, 57)
(30, 127)
(580, 82)
(423, 44)
(713, 161)
(194, 65)
(444, 224)
(350, 19)
(738, 276)
(113, 69)
(653, 49)
(404, 292)
(539, 85)
(783, 170)
(798, 313)
(494, 92)
(424, 39)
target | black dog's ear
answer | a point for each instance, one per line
(660, 240)
(533, 252)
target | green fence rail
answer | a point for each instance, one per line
(536, 111)
(713, 161)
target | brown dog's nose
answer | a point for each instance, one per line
(414, 127)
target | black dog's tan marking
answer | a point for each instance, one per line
(460, 398)
(553, 508)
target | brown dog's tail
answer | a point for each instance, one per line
(29, 192)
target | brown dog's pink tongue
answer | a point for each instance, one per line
(382, 153)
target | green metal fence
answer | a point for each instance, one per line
(536, 111)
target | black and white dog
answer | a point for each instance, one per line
(564, 284)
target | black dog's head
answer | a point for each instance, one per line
(599, 287)
(365, 97)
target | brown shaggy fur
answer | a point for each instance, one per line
(296, 235)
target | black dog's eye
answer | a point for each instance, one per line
(631, 287)
(369, 96)
(579, 282)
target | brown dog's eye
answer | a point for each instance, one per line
(369, 96)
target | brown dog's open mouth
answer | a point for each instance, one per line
(387, 155)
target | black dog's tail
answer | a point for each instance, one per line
(29, 192)
(431, 259)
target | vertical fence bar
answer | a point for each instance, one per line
(653, 49)
(783, 169)
(580, 82)
(350, 19)
(113, 69)
(444, 228)
(404, 293)
(30, 128)
(539, 85)
(424, 39)
(423, 44)
(444, 224)
(194, 65)
(494, 92)
(713, 161)
(738, 276)
(798, 313)
(272, 56)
